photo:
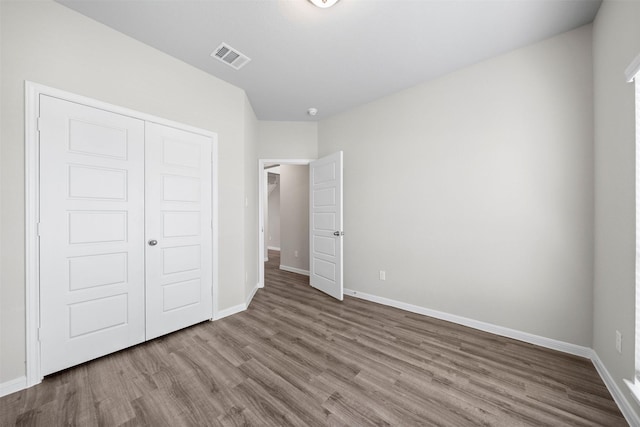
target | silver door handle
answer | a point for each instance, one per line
(338, 233)
(153, 242)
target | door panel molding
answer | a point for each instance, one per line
(32, 206)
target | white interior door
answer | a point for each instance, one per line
(91, 238)
(325, 224)
(178, 229)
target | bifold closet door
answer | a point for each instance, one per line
(91, 233)
(178, 229)
(125, 231)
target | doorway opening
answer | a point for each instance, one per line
(324, 220)
(283, 199)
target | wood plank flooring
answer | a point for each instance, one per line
(299, 358)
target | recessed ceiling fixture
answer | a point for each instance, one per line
(312, 111)
(230, 56)
(324, 3)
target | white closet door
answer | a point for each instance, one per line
(91, 233)
(178, 229)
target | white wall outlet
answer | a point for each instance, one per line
(618, 342)
(383, 275)
(295, 254)
(246, 277)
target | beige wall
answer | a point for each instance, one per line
(475, 192)
(616, 42)
(294, 216)
(287, 140)
(47, 43)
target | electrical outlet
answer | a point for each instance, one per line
(618, 342)
(295, 254)
(383, 275)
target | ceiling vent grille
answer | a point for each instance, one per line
(230, 56)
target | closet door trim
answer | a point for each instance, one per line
(32, 208)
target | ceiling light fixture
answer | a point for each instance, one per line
(312, 111)
(324, 3)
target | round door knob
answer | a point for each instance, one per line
(153, 242)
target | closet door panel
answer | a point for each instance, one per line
(91, 233)
(178, 229)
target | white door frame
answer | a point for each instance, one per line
(32, 208)
(261, 203)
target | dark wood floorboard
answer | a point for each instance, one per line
(297, 357)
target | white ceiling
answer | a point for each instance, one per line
(335, 59)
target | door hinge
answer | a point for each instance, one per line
(39, 124)
(39, 229)
(38, 333)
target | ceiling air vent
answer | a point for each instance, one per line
(230, 56)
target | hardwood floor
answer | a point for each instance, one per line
(297, 357)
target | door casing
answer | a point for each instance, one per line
(32, 196)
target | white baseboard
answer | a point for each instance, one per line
(238, 308)
(625, 407)
(294, 270)
(586, 352)
(273, 248)
(250, 297)
(230, 311)
(12, 386)
(483, 326)
(635, 390)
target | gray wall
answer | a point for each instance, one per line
(616, 42)
(475, 191)
(294, 216)
(49, 44)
